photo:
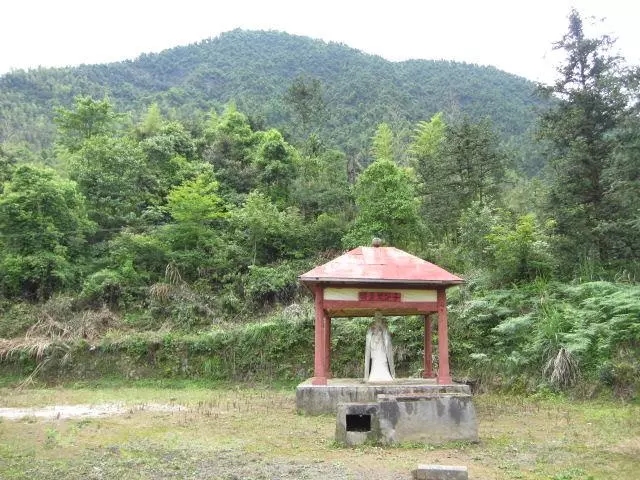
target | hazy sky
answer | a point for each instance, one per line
(513, 35)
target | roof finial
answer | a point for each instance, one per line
(376, 242)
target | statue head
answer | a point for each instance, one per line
(379, 323)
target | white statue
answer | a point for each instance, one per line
(378, 355)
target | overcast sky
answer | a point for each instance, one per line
(513, 35)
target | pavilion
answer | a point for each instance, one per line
(374, 279)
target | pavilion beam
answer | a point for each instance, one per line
(319, 360)
(444, 377)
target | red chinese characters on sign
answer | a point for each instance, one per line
(379, 296)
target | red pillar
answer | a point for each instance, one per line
(319, 366)
(327, 345)
(427, 372)
(444, 377)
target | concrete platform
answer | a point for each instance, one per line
(324, 399)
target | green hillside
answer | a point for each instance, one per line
(255, 69)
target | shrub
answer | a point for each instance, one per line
(113, 287)
(521, 252)
(272, 284)
(16, 319)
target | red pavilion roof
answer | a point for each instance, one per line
(376, 265)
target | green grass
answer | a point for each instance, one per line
(231, 431)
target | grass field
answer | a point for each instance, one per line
(255, 433)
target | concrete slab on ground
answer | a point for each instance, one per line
(440, 472)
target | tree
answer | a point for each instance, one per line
(229, 147)
(170, 153)
(194, 237)
(267, 232)
(474, 225)
(196, 201)
(151, 122)
(88, 118)
(426, 159)
(305, 97)
(321, 184)
(7, 164)
(387, 207)
(383, 143)
(593, 97)
(112, 174)
(520, 252)
(474, 161)
(427, 138)
(275, 163)
(621, 223)
(43, 227)
(457, 164)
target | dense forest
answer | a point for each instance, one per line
(184, 192)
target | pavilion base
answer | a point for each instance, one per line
(417, 418)
(324, 399)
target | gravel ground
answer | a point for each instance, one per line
(229, 466)
(148, 464)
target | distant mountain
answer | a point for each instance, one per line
(255, 69)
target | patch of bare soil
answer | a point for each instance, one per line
(84, 411)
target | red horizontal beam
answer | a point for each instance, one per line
(418, 307)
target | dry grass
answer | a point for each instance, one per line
(49, 333)
(562, 369)
(51, 338)
(256, 433)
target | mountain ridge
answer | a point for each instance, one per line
(254, 70)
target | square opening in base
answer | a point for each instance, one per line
(358, 423)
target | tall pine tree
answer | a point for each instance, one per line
(592, 99)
